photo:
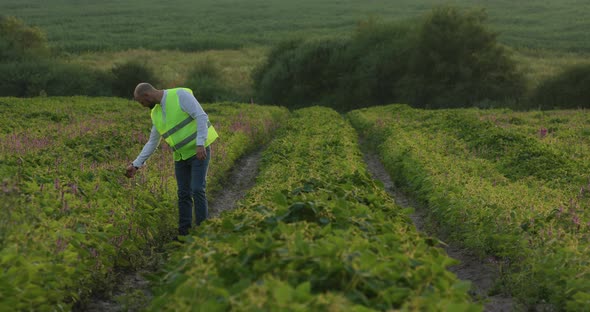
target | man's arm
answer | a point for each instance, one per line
(146, 152)
(148, 148)
(190, 105)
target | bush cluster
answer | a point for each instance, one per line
(19, 41)
(447, 59)
(568, 89)
(46, 77)
(127, 75)
(206, 82)
(27, 69)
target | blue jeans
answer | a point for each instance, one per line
(191, 178)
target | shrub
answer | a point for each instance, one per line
(273, 75)
(19, 41)
(370, 65)
(448, 59)
(26, 68)
(127, 75)
(299, 74)
(457, 62)
(206, 82)
(45, 77)
(70, 79)
(568, 89)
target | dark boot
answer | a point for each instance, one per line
(183, 231)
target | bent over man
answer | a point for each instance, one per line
(178, 117)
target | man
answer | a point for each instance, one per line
(174, 112)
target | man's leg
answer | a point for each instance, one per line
(199, 185)
(182, 169)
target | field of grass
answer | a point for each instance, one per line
(545, 36)
(538, 65)
(78, 26)
(172, 67)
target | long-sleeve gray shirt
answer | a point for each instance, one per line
(189, 105)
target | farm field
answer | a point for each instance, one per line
(515, 186)
(312, 228)
(315, 230)
(315, 233)
(546, 36)
(173, 67)
(206, 24)
(236, 66)
(69, 216)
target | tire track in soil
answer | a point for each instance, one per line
(242, 178)
(481, 273)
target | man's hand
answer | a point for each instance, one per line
(131, 170)
(201, 152)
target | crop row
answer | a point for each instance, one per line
(566, 130)
(315, 233)
(498, 191)
(69, 216)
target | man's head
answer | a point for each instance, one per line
(147, 95)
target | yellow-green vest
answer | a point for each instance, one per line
(179, 129)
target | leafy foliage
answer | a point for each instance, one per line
(69, 216)
(457, 62)
(127, 75)
(447, 59)
(27, 69)
(315, 233)
(205, 80)
(47, 77)
(501, 185)
(298, 77)
(568, 89)
(19, 41)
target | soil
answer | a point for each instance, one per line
(242, 178)
(132, 289)
(131, 293)
(482, 273)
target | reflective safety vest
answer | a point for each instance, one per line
(179, 129)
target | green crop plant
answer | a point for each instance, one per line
(497, 189)
(315, 233)
(70, 217)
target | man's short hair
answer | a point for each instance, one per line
(144, 88)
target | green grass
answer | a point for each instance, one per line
(190, 25)
(546, 36)
(172, 67)
(539, 65)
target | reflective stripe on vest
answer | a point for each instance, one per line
(179, 129)
(188, 139)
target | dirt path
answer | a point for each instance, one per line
(132, 290)
(481, 273)
(242, 178)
